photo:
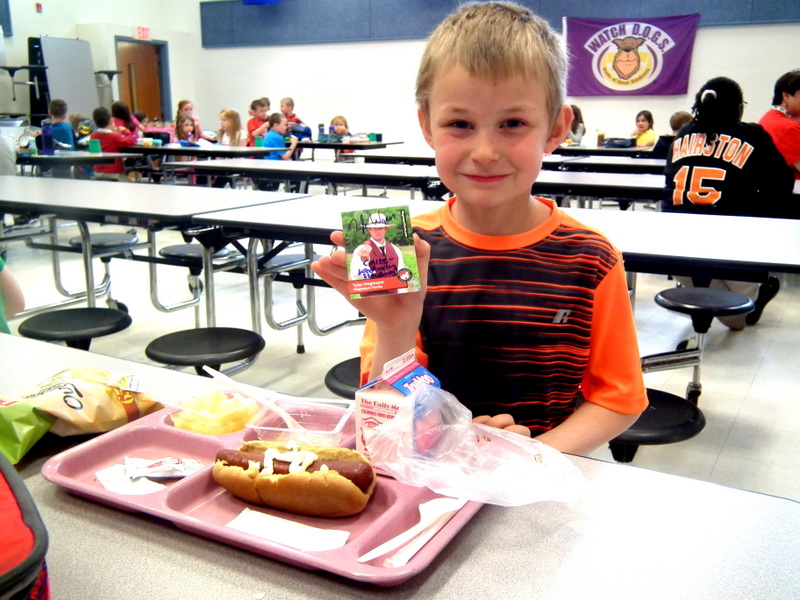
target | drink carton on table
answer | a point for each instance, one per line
(387, 397)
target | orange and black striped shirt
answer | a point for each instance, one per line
(520, 324)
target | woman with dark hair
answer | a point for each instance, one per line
(719, 165)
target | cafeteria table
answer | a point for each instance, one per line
(631, 186)
(613, 164)
(634, 534)
(201, 151)
(423, 178)
(549, 161)
(153, 207)
(651, 242)
(572, 150)
(70, 159)
(351, 144)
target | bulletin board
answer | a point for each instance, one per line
(232, 23)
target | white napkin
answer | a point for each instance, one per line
(289, 533)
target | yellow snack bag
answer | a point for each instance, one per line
(84, 400)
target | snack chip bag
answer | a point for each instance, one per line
(21, 426)
(85, 400)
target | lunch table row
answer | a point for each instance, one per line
(634, 533)
(651, 242)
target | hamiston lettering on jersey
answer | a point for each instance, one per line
(725, 147)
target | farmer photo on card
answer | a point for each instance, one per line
(380, 251)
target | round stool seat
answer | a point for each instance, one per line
(693, 299)
(190, 251)
(667, 419)
(703, 304)
(343, 379)
(107, 241)
(75, 326)
(210, 346)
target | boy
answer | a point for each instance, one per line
(110, 141)
(258, 125)
(287, 108)
(522, 307)
(664, 143)
(62, 130)
(782, 120)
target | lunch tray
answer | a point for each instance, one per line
(197, 504)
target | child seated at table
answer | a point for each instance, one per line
(341, 129)
(664, 143)
(122, 117)
(258, 125)
(524, 314)
(111, 140)
(230, 128)
(63, 135)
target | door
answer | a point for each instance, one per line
(140, 80)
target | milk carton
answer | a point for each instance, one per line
(386, 397)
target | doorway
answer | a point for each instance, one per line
(143, 66)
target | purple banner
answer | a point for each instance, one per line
(630, 57)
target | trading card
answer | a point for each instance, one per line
(380, 252)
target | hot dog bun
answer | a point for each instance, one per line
(322, 493)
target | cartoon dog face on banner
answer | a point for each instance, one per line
(627, 60)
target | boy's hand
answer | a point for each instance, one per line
(503, 421)
(399, 312)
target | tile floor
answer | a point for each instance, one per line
(750, 378)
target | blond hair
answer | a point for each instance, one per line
(495, 39)
(340, 120)
(235, 124)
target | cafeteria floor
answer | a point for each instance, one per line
(750, 382)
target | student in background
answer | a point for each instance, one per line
(664, 143)
(122, 117)
(141, 116)
(278, 125)
(63, 133)
(644, 134)
(341, 128)
(230, 129)
(185, 128)
(287, 108)
(719, 165)
(12, 300)
(258, 125)
(111, 140)
(782, 120)
(536, 335)
(577, 129)
(295, 126)
(230, 134)
(186, 107)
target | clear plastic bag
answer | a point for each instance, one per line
(439, 447)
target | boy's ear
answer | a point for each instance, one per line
(425, 125)
(560, 128)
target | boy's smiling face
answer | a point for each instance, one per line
(489, 137)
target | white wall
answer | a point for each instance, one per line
(371, 83)
(175, 21)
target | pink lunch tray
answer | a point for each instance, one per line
(199, 505)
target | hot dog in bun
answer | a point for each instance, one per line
(298, 478)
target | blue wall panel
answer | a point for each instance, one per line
(226, 24)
